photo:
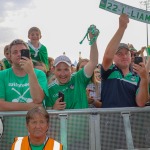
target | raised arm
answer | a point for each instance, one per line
(114, 42)
(90, 66)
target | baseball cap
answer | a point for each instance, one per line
(62, 58)
(121, 46)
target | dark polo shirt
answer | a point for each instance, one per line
(118, 90)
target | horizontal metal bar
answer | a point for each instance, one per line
(83, 111)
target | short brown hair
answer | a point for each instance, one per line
(17, 41)
(34, 29)
(37, 110)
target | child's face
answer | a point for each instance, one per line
(34, 36)
(7, 54)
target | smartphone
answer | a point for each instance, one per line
(138, 59)
(60, 94)
(25, 53)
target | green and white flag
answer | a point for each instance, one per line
(119, 8)
(148, 50)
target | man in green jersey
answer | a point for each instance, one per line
(73, 86)
(22, 86)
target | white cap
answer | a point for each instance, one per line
(62, 58)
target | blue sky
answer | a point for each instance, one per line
(63, 24)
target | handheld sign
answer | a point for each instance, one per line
(119, 8)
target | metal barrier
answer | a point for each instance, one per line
(87, 129)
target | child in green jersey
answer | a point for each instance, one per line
(6, 61)
(38, 51)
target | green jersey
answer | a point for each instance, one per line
(74, 91)
(17, 89)
(37, 147)
(39, 54)
(6, 63)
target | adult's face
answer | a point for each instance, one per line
(51, 66)
(122, 58)
(15, 53)
(62, 72)
(37, 126)
(97, 74)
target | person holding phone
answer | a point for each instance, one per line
(121, 87)
(73, 86)
(22, 86)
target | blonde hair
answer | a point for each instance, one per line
(80, 61)
(34, 29)
(96, 83)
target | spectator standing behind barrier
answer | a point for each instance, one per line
(120, 88)
(40, 65)
(133, 52)
(50, 74)
(73, 86)
(6, 61)
(94, 91)
(93, 88)
(37, 123)
(38, 51)
(22, 84)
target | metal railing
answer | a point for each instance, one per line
(87, 129)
